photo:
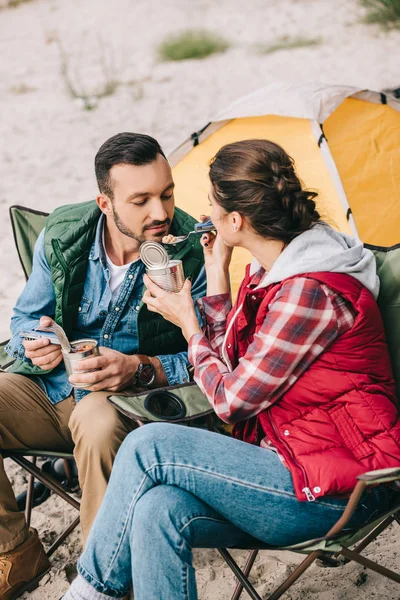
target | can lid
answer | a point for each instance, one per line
(153, 255)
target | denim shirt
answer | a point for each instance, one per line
(112, 324)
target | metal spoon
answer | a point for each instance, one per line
(201, 227)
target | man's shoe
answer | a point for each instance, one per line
(21, 569)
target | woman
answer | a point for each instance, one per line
(299, 365)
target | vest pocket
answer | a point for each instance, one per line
(350, 433)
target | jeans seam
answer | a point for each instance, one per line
(202, 517)
(239, 482)
(219, 476)
(123, 529)
(98, 585)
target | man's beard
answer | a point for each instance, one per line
(140, 238)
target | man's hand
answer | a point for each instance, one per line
(117, 371)
(42, 353)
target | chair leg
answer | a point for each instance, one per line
(239, 574)
(246, 572)
(374, 534)
(29, 494)
(365, 562)
(50, 483)
(68, 472)
(303, 566)
(62, 537)
(53, 485)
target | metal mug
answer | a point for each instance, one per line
(85, 348)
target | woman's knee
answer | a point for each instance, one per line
(159, 509)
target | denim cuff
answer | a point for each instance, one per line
(175, 368)
(15, 349)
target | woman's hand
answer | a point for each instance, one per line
(177, 308)
(217, 255)
(217, 258)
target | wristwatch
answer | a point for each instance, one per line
(145, 374)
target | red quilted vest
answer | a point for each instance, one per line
(341, 417)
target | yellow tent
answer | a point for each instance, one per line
(345, 142)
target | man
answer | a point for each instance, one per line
(88, 276)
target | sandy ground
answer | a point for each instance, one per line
(48, 141)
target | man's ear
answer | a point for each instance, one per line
(104, 203)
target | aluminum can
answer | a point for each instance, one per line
(170, 278)
(154, 255)
(166, 273)
(82, 349)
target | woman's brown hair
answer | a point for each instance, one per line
(257, 179)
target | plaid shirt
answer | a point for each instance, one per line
(303, 319)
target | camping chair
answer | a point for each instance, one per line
(335, 548)
(339, 546)
(27, 224)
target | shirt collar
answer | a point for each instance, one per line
(97, 250)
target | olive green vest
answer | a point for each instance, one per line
(69, 235)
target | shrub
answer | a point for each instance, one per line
(287, 43)
(191, 44)
(384, 12)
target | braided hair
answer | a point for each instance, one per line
(257, 179)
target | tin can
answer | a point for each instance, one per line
(166, 273)
(81, 349)
(170, 278)
(154, 255)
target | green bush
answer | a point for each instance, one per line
(287, 43)
(384, 12)
(191, 44)
(13, 3)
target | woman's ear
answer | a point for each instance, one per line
(236, 221)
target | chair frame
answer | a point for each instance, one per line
(20, 458)
(335, 544)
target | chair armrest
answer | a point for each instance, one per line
(5, 360)
(364, 480)
(380, 476)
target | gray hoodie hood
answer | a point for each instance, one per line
(323, 249)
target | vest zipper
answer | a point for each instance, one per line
(308, 494)
(57, 251)
(306, 490)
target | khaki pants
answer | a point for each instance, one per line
(93, 429)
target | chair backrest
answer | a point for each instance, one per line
(388, 265)
(27, 224)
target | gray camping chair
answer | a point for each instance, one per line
(339, 546)
(27, 224)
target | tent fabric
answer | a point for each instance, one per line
(307, 101)
(345, 142)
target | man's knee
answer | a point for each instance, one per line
(96, 423)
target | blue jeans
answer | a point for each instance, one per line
(175, 488)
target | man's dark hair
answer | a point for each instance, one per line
(124, 148)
